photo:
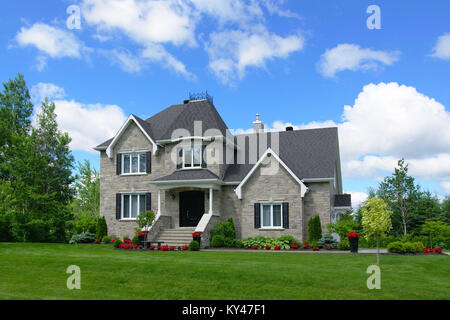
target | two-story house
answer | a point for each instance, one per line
(185, 165)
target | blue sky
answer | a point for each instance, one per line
(296, 62)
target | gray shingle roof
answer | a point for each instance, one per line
(183, 116)
(189, 174)
(161, 125)
(342, 200)
(309, 153)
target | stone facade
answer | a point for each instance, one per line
(317, 202)
(261, 187)
(271, 188)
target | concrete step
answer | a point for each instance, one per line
(174, 242)
(176, 237)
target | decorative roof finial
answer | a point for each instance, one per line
(257, 117)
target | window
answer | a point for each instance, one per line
(192, 156)
(134, 162)
(132, 205)
(271, 216)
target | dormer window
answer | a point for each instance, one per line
(192, 156)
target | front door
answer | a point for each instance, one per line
(192, 207)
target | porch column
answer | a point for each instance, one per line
(210, 200)
(159, 202)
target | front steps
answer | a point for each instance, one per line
(176, 237)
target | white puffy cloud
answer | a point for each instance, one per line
(51, 42)
(442, 48)
(445, 185)
(156, 26)
(357, 198)
(351, 57)
(124, 59)
(389, 121)
(232, 52)
(42, 90)
(143, 21)
(87, 124)
(393, 119)
(240, 40)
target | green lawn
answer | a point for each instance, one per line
(38, 271)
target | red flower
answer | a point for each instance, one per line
(305, 246)
(267, 247)
(276, 248)
(353, 235)
(197, 234)
(327, 247)
(294, 246)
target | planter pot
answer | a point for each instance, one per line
(198, 239)
(353, 244)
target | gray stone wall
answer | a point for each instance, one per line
(317, 202)
(278, 187)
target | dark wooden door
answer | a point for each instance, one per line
(192, 207)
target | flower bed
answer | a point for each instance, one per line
(433, 251)
(128, 245)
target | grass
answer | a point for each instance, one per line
(38, 271)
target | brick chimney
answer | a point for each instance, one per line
(258, 126)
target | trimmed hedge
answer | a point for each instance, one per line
(344, 244)
(194, 245)
(405, 247)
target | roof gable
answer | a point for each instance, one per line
(269, 152)
(140, 124)
(309, 153)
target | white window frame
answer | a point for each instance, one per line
(271, 226)
(130, 154)
(192, 148)
(138, 194)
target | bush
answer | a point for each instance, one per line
(229, 243)
(396, 247)
(263, 242)
(86, 237)
(106, 239)
(238, 244)
(117, 243)
(102, 228)
(5, 228)
(327, 240)
(85, 225)
(224, 228)
(135, 240)
(194, 245)
(344, 244)
(405, 247)
(314, 229)
(217, 241)
(36, 231)
(223, 234)
(289, 239)
(126, 238)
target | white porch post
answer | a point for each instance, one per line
(210, 200)
(159, 202)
